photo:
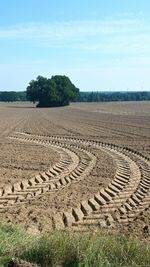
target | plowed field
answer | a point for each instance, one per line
(81, 167)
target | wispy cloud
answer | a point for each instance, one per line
(72, 29)
(71, 32)
(121, 37)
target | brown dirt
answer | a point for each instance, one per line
(125, 124)
(21, 161)
(36, 216)
(20, 263)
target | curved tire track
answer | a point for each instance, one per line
(121, 201)
(74, 165)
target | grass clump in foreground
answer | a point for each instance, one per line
(13, 240)
(64, 249)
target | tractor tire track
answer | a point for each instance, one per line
(120, 202)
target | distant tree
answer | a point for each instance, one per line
(21, 96)
(8, 96)
(113, 96)
(12, 96)
(54, 92)
(37, 89)
(64, 89)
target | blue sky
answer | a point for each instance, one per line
(100, 45)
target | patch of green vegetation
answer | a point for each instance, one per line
(13, 240)
(72, 250)
(54, 92)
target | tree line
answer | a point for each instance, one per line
(59, 91)
(113, 96)
(12, 96)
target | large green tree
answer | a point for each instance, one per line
(54, 92)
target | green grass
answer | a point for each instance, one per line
(72, 250)
(13, 240)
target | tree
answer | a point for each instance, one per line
(54, 92)
(12, 96)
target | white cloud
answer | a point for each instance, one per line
(73, 29)
(115, 51)
(126, 36)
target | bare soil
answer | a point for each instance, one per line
(126, 124)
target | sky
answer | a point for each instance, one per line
(101, 45)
